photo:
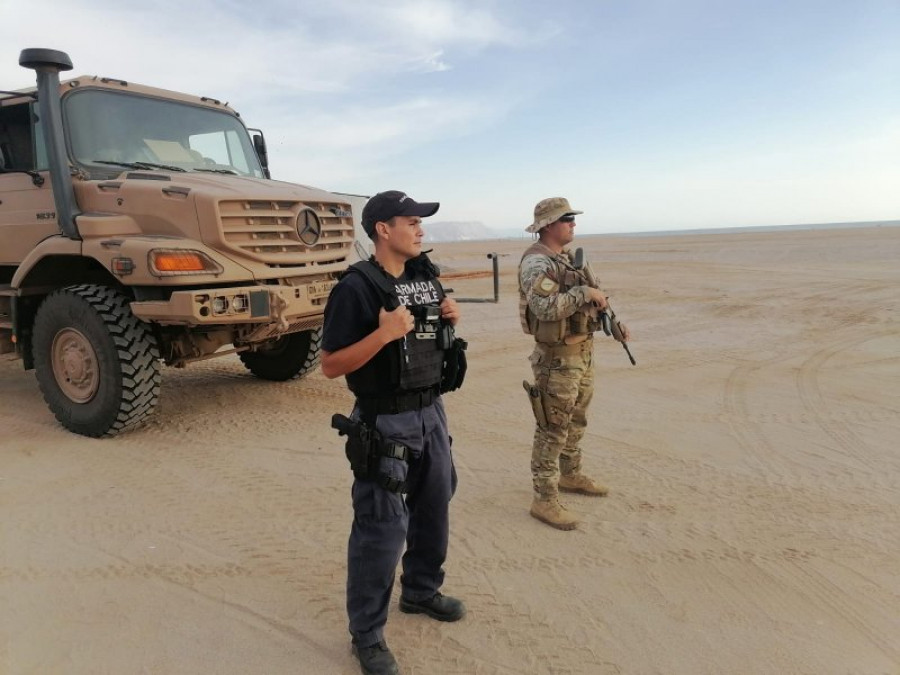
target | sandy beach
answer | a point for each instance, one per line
(753, 524)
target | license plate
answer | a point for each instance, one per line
(320, 289)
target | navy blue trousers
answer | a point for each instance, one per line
(384, 521)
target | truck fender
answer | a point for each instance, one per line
(51, 246)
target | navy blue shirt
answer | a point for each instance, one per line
(351, 313)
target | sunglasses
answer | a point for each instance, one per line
(567, 219)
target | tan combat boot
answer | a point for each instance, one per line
(553, 513)
(578, 482)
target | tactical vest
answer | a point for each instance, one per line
(411, 363)
(554, 332)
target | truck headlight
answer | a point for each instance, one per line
(239, 303)
(220, 304)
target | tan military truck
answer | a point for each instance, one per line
(140, 226)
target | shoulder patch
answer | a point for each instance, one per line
(545, 286)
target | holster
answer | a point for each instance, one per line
(365, 447)
(537, 403)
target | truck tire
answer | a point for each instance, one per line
(286, 358)
(96, 364)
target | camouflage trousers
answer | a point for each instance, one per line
(564, 375)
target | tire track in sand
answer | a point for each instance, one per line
(836, 427)
(756, 443)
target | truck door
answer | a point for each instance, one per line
(27, 210)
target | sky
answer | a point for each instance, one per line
(646, 114)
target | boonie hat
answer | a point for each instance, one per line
(386, 205)
(549, 211)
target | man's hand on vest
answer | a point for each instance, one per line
(395, 324)
(450, 310)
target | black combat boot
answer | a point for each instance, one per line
(376, 660)
(440, 607)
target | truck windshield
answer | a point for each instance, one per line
(107, 129)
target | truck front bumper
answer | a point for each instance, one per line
(282, 306)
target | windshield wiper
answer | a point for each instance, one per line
(140, 165)
(166, 167)
(228, 171)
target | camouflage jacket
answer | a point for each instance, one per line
(553, 295)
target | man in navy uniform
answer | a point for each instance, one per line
(393, 365)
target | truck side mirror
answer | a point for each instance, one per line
(259, 144)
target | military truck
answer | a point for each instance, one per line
(140, 226)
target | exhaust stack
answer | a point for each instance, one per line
(48, 63)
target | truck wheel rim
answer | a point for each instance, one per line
(75, 365)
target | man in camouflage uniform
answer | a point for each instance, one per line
(559, 308)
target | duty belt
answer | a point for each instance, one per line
(370, 407)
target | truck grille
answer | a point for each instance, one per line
(267, 231)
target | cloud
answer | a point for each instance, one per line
(337, 147)
(452, 23)
(320, 78)
(434, 63)
(296, 47)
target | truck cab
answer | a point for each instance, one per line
(140, 227)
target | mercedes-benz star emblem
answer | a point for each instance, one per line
(309, 227)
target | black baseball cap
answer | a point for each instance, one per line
(385, 205)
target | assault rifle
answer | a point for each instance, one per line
(608, 320)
